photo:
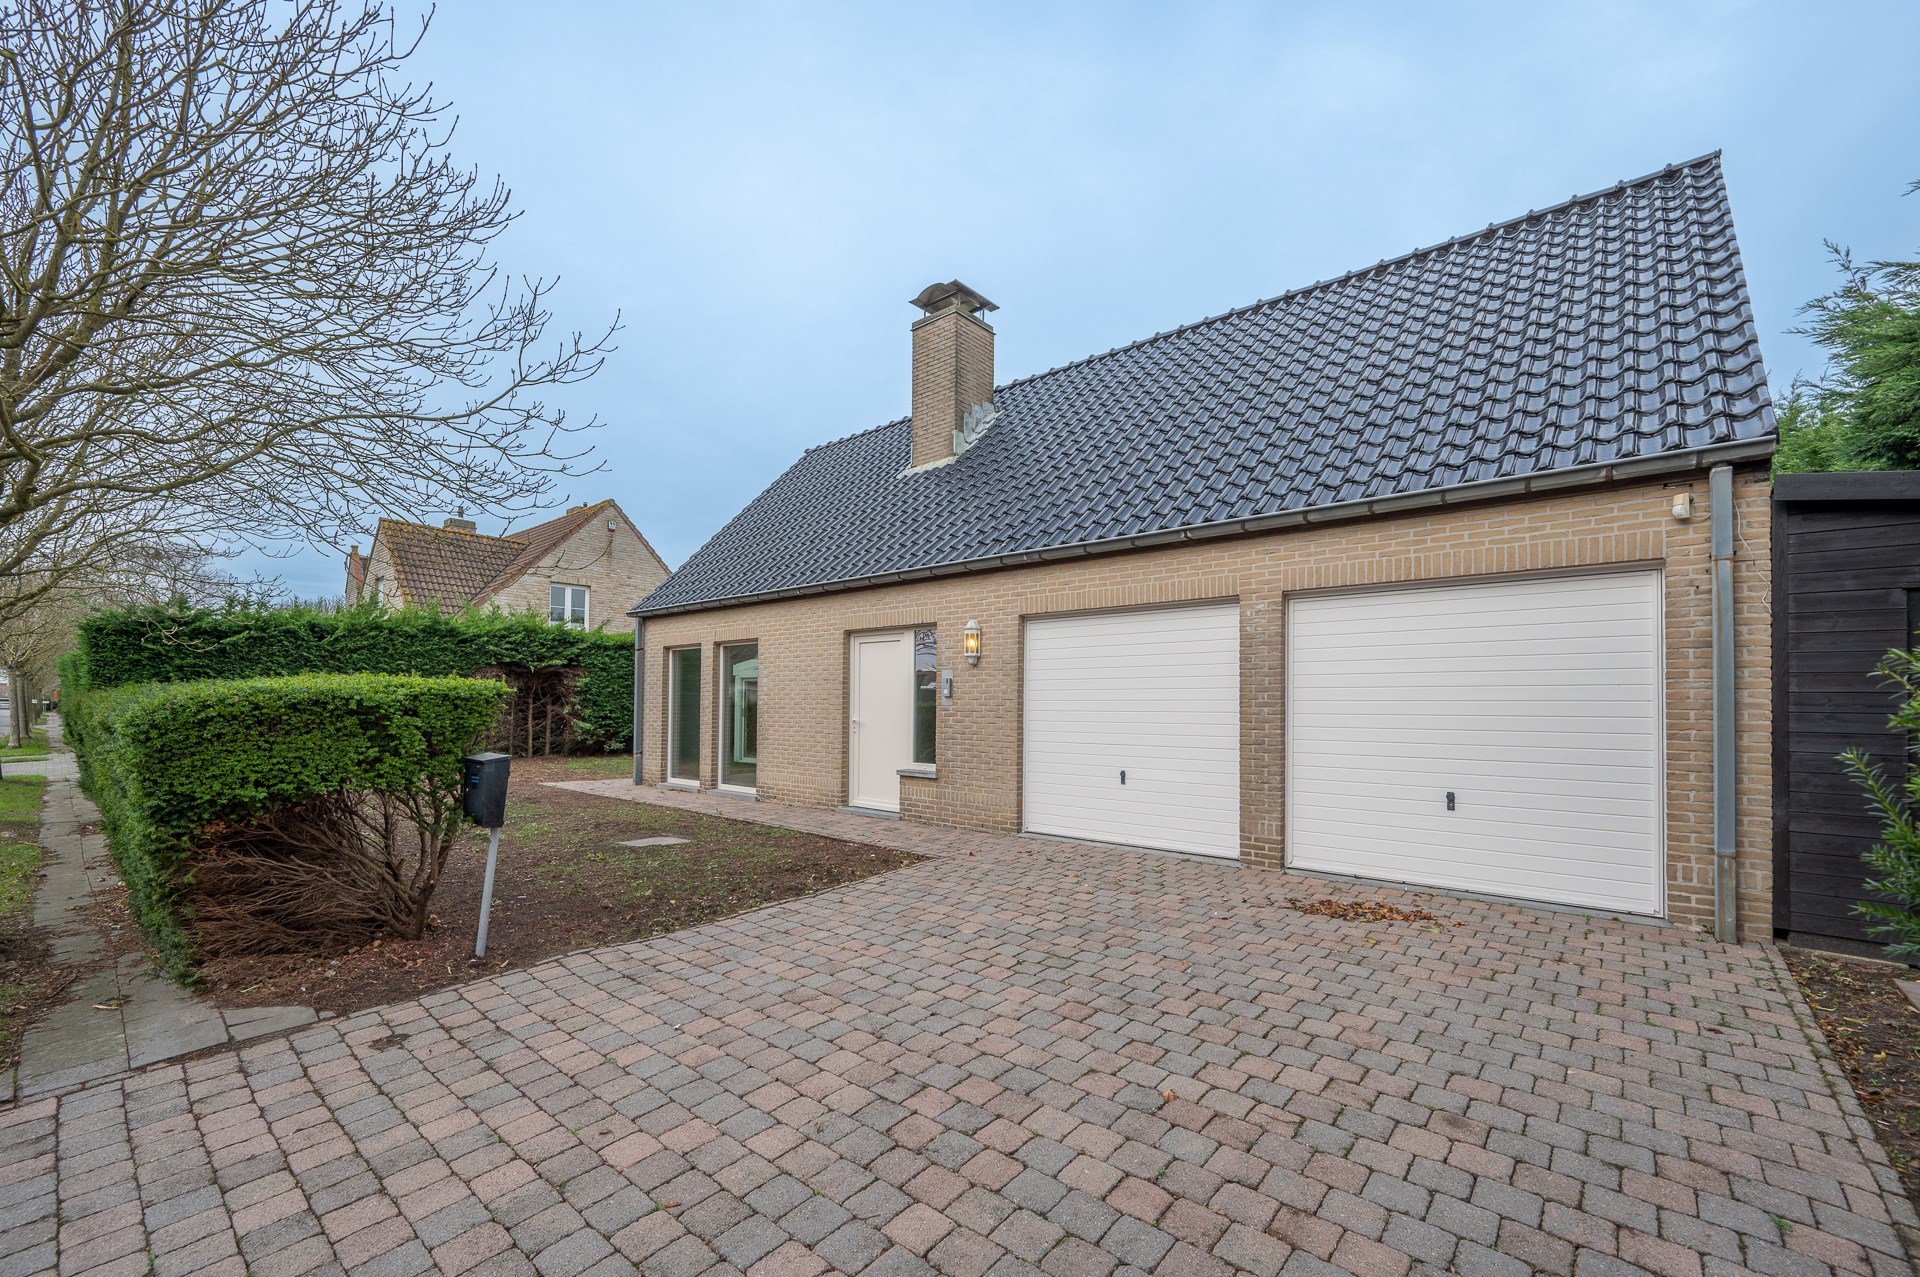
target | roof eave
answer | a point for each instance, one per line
(1681, 461)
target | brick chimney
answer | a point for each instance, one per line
(455, 524)
(952, 367)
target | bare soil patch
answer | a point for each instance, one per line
(564, 882)
(1874, 1032)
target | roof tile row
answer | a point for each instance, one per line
(1615, 326)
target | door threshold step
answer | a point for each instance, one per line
(876, 812)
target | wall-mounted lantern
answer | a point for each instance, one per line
(970, 642)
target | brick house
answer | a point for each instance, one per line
(1451, 571)
(583, 568)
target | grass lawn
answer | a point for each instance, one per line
(25, 979)
(564, 882)
(36, 746)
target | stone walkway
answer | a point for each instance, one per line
(54, 767)
(118, 1014)
(1018, 1056)
(57, 765)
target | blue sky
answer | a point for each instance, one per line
(759, 188)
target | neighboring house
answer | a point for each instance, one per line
(1407, 575)
(584, 568)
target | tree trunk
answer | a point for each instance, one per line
(16, 714)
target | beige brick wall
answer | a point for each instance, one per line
(804, 657)
(616, 567)
(952, 371)
(379, 577)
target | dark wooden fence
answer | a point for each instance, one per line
(1846, 584)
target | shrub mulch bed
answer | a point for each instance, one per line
(30, 981)
(1875, 1035)
(563, 882)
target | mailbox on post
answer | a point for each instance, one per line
(483, 788)
(483, 796)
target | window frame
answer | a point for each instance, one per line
(566, 593)
(673, 706)
(725, 707)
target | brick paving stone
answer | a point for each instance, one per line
(1017, 1057)
(918, 1228)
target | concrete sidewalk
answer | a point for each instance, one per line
(119, 1014)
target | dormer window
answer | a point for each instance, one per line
(567, 605)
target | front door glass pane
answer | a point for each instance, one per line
(740, 714)
(683, 725)
(926, 695)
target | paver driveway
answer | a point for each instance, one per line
(1032, 1056)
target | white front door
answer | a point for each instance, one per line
(1133, 728)
(880, 719)
(1493, 736)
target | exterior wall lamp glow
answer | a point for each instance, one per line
(970, 642)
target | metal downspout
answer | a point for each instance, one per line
(1726, 863)
(639, 689)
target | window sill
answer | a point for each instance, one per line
(738, 791)
(918, 773)
(684, 786)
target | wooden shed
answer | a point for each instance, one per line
(1847, 590)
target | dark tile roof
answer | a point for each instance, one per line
(1615, 326)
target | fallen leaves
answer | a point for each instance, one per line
(1366, 911)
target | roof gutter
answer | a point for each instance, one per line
(1691, 461)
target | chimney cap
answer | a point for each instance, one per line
(457, 524)
(952, 295)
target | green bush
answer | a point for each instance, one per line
(1895, 918)
(174, 644)
(180, 770)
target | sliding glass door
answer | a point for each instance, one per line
(683, 715)
(739, 715)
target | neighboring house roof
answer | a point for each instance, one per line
(444, 565)
(451, 565)
(543, 539)
(1611, 328)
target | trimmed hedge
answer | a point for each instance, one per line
(171, 644)
(166, 761)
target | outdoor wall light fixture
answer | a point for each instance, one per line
(970, 642)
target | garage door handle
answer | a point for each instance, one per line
(1123, 776)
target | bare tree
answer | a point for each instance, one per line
(245, 290)
(117, 567)
(30, 645)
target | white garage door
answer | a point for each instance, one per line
(1133, 728)
(1492, 737)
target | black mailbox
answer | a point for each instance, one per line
(483, 788)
